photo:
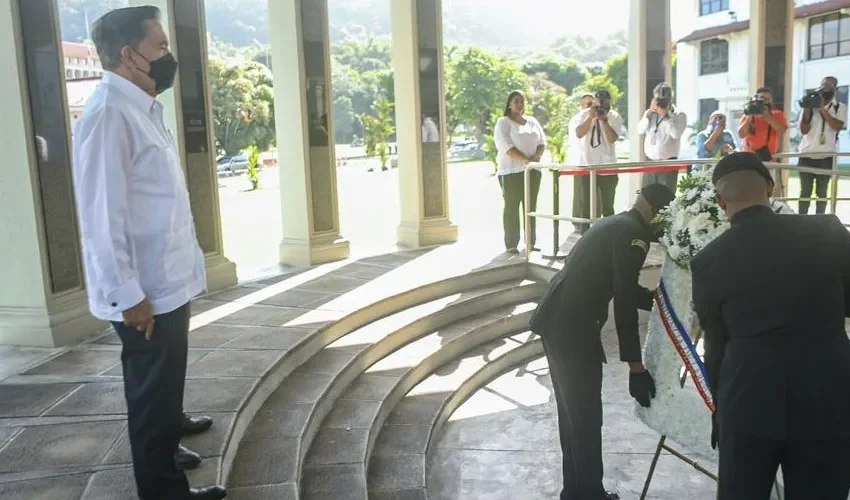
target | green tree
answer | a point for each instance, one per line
(343, 119)
(617, 69)
(253, 166)
(243, 106)
(553, 105)
(479, 83)
(378, 129)
(567, 73)
(491, 152)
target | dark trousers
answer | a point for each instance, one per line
(812, 470)
(577, 383)
(606, 190)
(154, 378)
(669, 179)
(807, 181)
(513, 191)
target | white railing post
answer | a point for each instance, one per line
(528, 218)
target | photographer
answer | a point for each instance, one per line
(662, 127)
(598, 128)
(822, 120)
(581, 183)
(762, 126)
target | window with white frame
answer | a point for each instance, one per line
(713, 56)
(707, 7)
(829, 36)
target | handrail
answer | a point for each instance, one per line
(626, 167)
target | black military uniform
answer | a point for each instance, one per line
(605, 263)
(772, 294)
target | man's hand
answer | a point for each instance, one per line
(641, 387)
(141, 318)
(715, 432)
(534, 159)
(648, 113)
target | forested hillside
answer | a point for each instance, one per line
(244, 23)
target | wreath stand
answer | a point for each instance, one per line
(663, 446)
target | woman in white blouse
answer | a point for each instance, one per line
(520, 140)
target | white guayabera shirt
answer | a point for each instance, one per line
(137, 231)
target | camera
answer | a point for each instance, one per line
(663, 94)
(755, 106)
(604, 105)
(812, 99)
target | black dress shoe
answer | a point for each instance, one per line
(208, 493)
(190, 426)
(186, 459)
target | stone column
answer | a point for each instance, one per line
(188, 113)
(417, 27)
(305, 133)
(42, 296)
(771, 50)
(649, 64)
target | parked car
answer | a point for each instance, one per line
(464, 150)
(232, 165)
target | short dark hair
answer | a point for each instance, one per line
(764, 90)
(119, 28)
(834, 80)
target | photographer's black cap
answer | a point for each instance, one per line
(737, 162)
(603, 94)
(657, 195)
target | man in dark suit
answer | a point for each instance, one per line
(604, 264)
(771, 294)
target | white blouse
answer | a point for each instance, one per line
(525, 138)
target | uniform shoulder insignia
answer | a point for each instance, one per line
(640, 244)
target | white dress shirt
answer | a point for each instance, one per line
(663, 136)
(525, 138)
(138, 235)
(811, 142)
(594, 148)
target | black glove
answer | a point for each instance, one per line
(642, 387)
(715, 432)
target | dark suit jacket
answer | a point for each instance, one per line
(604, 264)
(771, 294)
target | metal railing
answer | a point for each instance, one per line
(636, 167)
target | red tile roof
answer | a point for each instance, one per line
(813, 9)
(71, 49)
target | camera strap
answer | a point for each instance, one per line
(596, 134)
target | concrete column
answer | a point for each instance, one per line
(650, 49)
(771, 50)
(42, 296)
(417, 32)
(188, 114)
(305, 134)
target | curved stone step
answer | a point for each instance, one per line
(356, 421)
(272, 450)
(336, 457)
(397, 469)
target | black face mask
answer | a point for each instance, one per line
(828, 95)
(162, 72)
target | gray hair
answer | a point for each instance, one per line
(119, 28)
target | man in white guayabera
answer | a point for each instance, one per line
(822, 119)
(597, 130)
(662, 127)
(777, 354)
(142, 259)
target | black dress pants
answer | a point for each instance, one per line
(154, 378)
(820, 182)
(581, 201)
(577, 383)
(607, 187)
(513, 192)
(812, 470)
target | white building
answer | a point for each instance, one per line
(81, 61)
(713, 54)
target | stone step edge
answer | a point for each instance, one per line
(313, 343)
(488, 373)
(397, 339)
(498, 329)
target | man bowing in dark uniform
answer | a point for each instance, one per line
(604, 264)
(771, 295)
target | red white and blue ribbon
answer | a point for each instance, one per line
(684, 344)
